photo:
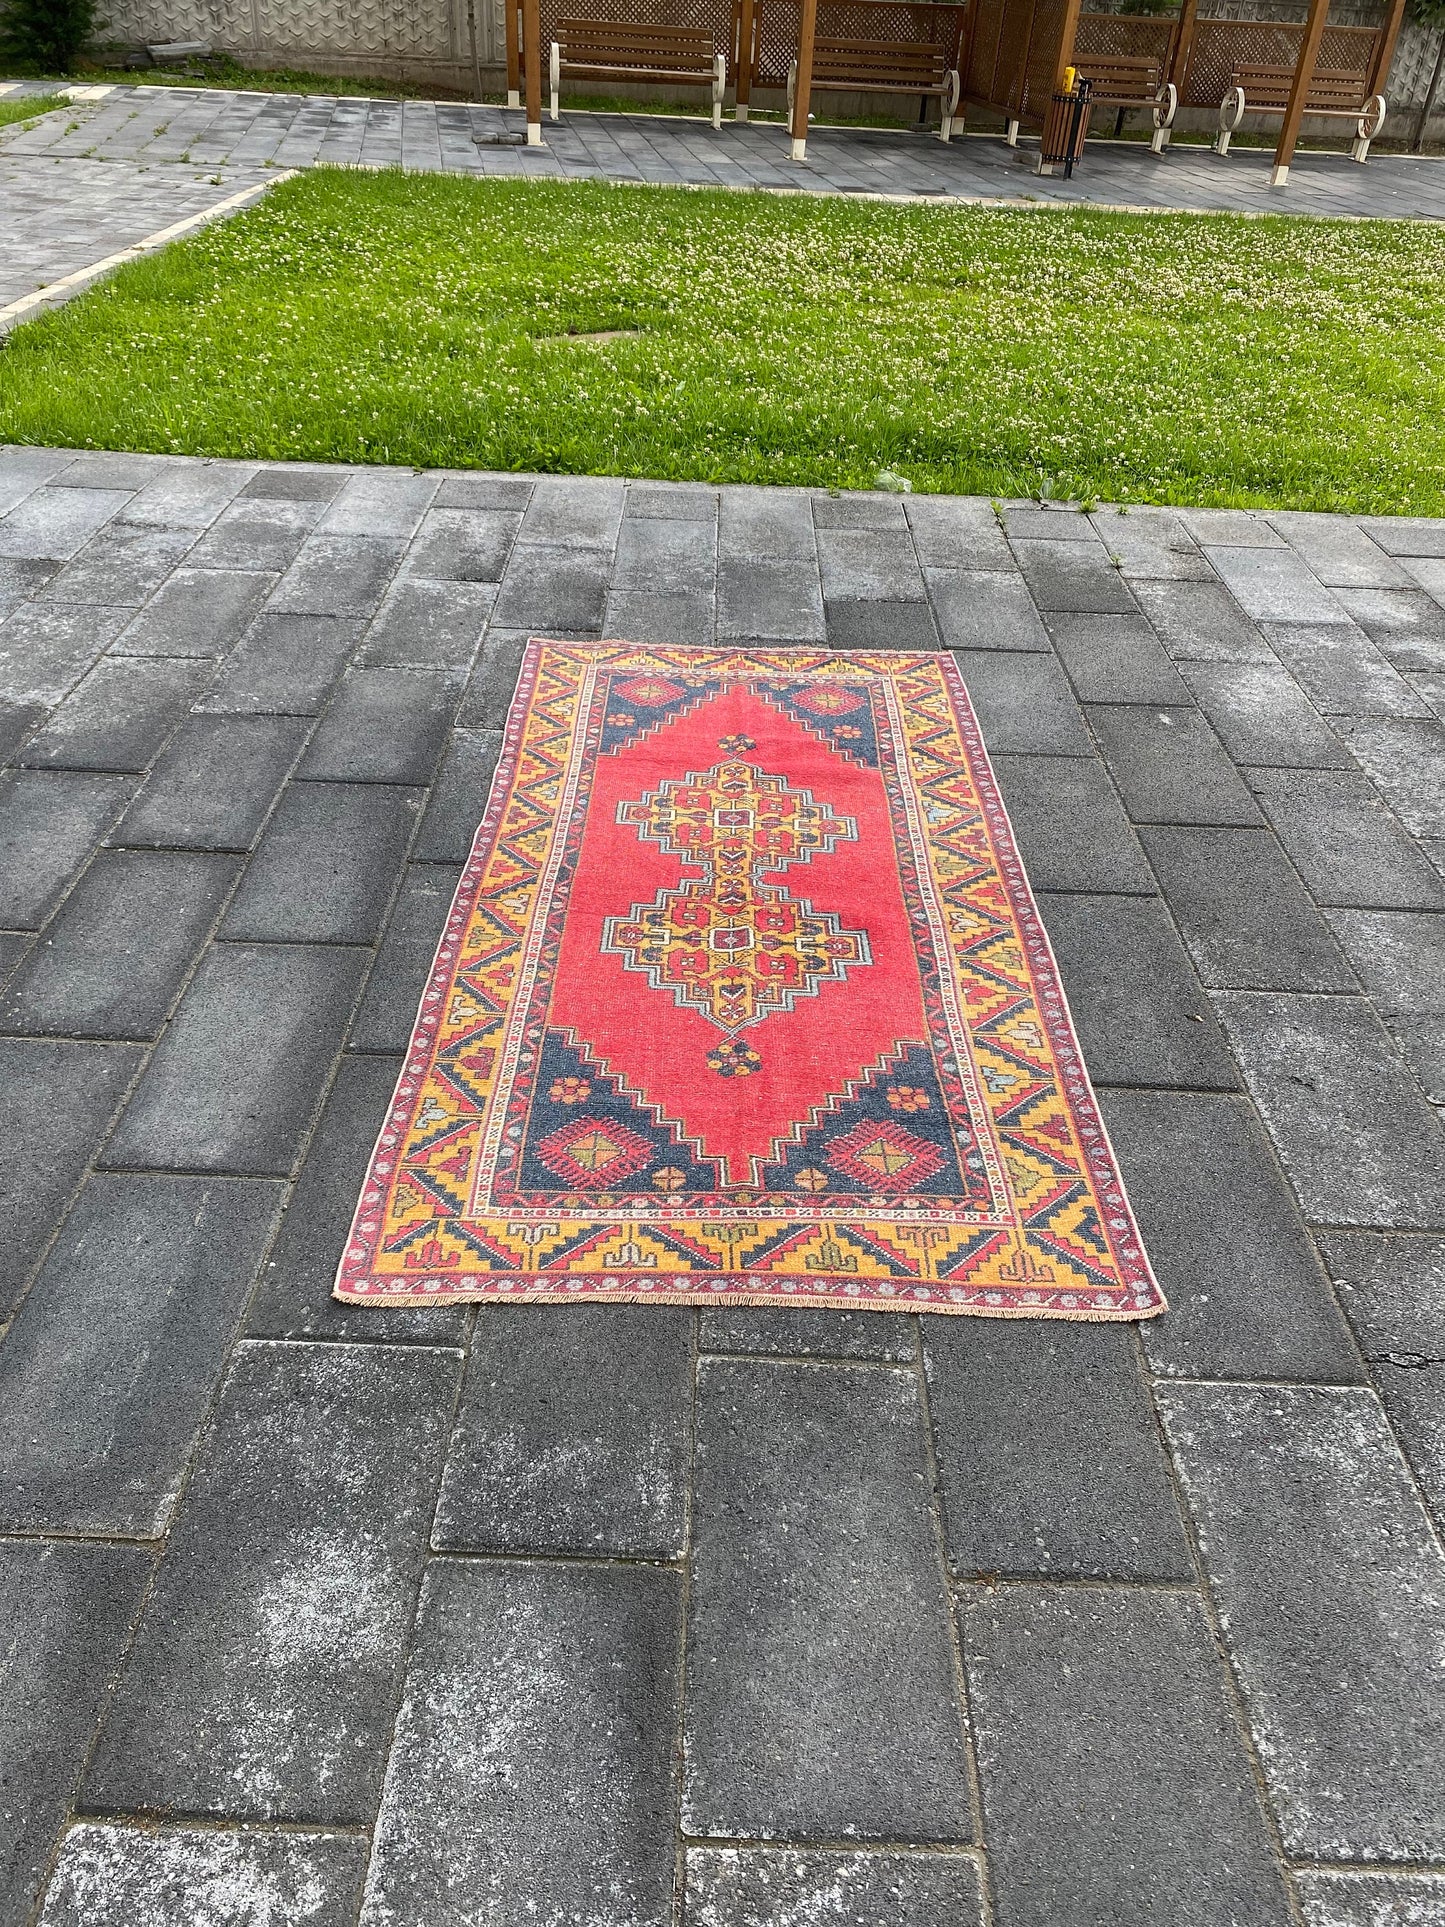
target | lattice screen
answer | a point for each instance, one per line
(1149, 36)
(1222, 45)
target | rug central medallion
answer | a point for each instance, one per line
(744, 999)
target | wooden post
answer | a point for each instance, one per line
(1385, 50)
(1304, 73)
(514, 58)
(803, 89)
(747, 27)
(532, 69)
(1184, 45)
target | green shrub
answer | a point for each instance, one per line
(45, 34)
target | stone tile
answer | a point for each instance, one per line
(532, 1775)
(754, 1887)
(256, 534)
(1247, 1296)
(1048, 522)
(463, 545)
(1406, 534)
(1332, 1593)
(293, 483)
(545, 590)
(869, 565)
(1201, 622)
(493, 681)
(44, 650)
(858, 511)
(186, 495)
(662, 556)
(429, 625)
(394, 989)
(1372, 1899)
(176, 1876)
(107, 471)
(53, 523)
(65, 1612)
(22, 578)
(266, 1668)
(17, 720)
(1137, 1005)
(1170, 766)
(484, 492)
(120, 567)
(215, 783)
(1024, 703)
(1337, 553)
(50, 820)
(23, 470)
(1246, 919)
(1360, 1143)
(1099, 1804)
(673, 501)
(337, 575)
(785, 1333)
(978, 610)
(1151, 545)
(198, 612)
(773, 522)
(1407, 763)
(1400, 958)
(1405, 624)
(119, 717)
(109, 1368)
(325, 870)
(116, 954)
(379, 502)
(807, 1716)
(1048, 1451)
(13, 946)
(1262, 717)
(1070, 830)
(958, 532)
(574, 512)
(236, 1080)
(1073, 577)
(573, 1434)
(1430, 574)
(1116, 659)
(283, 666)
(664, 619)
(869, 624)
(1350, 850)
(1274, 585)
(458, 798)
(769, 600)
(1342, 671)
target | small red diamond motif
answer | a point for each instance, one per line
(594, 1155)
(650, 690)
(883, 1156)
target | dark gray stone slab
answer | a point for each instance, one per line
(1099, 1804)
(666, 619)
(263, 1677)
(429, 625)
(1071, 832)
(753, 1887)
(776, 522)
(1246, 919)
(113, 1876)
(1331, 1588)
(45, 649)
(547, 590)
(65, 1612)
(107, 471)
(958, 532)
(869, 565)
(532, 1775)
(17, 720)
(1350, 850)
(574, 511)
(327, 866)
(573, 1434)
(807, 1715)
(295, 483)
(1247, 1296)
(1406, 625)
(1342, 671)
(1232, 528)
(1140, 1013)
(858, 511)
(1073, 577)
(866, 623)
(1360, 1143)
(1400, 958)
(658, 555)
(1169, 766)
(119, 717)
(1024, 703)
(50, 820)
(1274, 585)
(284, 666)
(1372, 1899)
(463, 545)
(187, 495)
(256, 534)
(1262, 716)
(975, 610)
(337, 575)
(393, 991)
(110, 1365)
(484, 492)
(120, 566)
(1406, 534)
(1116, 659)
(119, 949)
(458, 798)
(235, 1081)
(198, 612)
(1048, 1451)
(212, 787)
(769, 600)
(673, 501)
(1201, 622)
(1337, 553)
(1048, 522)
(1407, 763)
(784, 1333)
(493, 681)
(1151, 545)
(13, 946)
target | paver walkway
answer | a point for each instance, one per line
(312, 1613)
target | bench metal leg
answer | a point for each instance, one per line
(719, 88)
(1231, 113)
(1166, 106)
(952, 88)
(1367, 127)
(555, 76)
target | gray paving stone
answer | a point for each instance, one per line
(1141, 1016)
(1098, 1808)
(379, 502)
(20, 579)
(263, 1677)
(1073, 577)
(1405, 534)
(484, 492)
(1274, 585)
(186, 495)
(394, 989)
(198, 612)
(108, 1370)
(858, 511)
(256, 535)
(1350, 850)
(326, 868)
(104, 470)
(1407, 763)
(458, 798)
(13, 946)
(1342, 671)
(111, 1876)
(752, 1887)
(1201, 622)
(1262, 717)
(767, 599)
(807, 1715)
(545, 591)
(869, 565)
(44, 650)
(1170, 766)
(463, 545)
(1070, 829)
(284, 665)
(979, 610)
(1372, 1899)
(65, 1611)
(673, 501)
(120, 567)
(293, 483)
(1337, 553)
(1406, 625)
(213, 786)
(429, 625)
(1400, 958)
(1430, 574)
(337, 575)
(1048, 522)
(54, 523)
(17, 721)
(958, 532)
(119, 717)
(532, 1775)
(574, 511)
(1247, 1296)
(665, 619)
(1048, 1452)
(1360, 1143)
(50, 820)
(23, 470)
(767, 522)
(493, 681)
(1024, 703)
(116, 954)
(1116, 659)
(665, 556)
(785, 1333)
(573, 1434)
(1151, 545)
(1332, 1592)
(237, 1078)
(870, 624)
(1246, 919)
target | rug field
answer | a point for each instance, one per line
(744, 999)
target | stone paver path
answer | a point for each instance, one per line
(312, 1613)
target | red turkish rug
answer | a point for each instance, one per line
(744, 999)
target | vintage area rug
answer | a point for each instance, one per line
(744, 999)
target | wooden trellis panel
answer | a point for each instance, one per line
(1222, 45)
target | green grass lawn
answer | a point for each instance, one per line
(27, 107)
(430, 320)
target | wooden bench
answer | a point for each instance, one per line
(1333, 94)
(617, 50)
(883, 67)
(1132, 80)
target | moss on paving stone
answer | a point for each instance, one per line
(585, 328)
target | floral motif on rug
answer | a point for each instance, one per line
(744, 999)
